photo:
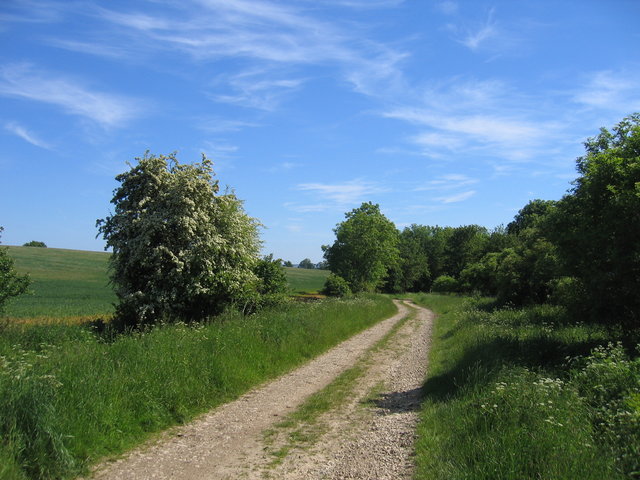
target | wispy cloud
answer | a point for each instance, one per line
(343, 193)
(108, 110)
(32, 11)
(222, 125)
(98, 49)
(219, 149)
(447, 182)
(268, 35)
(475, 36)
(282, 167)
(362, 4)
(609, 90)
(256, 89)
(448, 7)
(476, 117)
(26, 135)
(459, 197)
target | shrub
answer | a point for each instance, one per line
(11, 284)
(445, 284)
(336, 286)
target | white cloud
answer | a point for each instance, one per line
(271, 35)
(447, 182)
(609, 90)
(459, 197)
(256, 89)
(219, 149)
(477, 35)
(447, 7)
(108, 110)
(342, 193)
(99, 49)
(309, 208)
(23, 133)
(221, 125)
(485, 117)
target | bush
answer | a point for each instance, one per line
(11, 284)
(35, 243)
(181, 250)
(445, 284)
(336, 286)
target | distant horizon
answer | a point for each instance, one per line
(443, 112)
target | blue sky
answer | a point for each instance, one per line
(443, 112)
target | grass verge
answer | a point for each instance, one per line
(69, 397)
(524, 394)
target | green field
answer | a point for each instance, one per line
(65, 283)
(74, 283)
(303, 280)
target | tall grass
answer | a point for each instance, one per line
(69, 396)
(526, 393)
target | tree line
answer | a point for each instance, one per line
(582, 251)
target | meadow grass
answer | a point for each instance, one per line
(523, 394)
(306, 280)
(65, 283)
(70, 396)
(72, 286)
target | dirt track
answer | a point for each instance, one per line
(367, 436)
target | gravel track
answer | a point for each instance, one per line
(368, 436)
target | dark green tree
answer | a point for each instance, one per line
(530, 215)
(35, 243)
(11, 283)
(272, 278)
(596, 226)
(411, 274)
(307, 263)
(464, 245)
(366, 247)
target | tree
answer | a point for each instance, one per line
(366, 247)
(465, 244)
(530, 215)
(596, 226)
(181, 250)
(11, 283)
(35, 243)
(287, 264)
(272, 278)
(411, 273)
(306, 263)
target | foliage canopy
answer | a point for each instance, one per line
(181, 250)
(596, 226)
(366, 247)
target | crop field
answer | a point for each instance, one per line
(303, 280)
(74, 285)
(65, 284)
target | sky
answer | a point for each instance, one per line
(442, 112)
